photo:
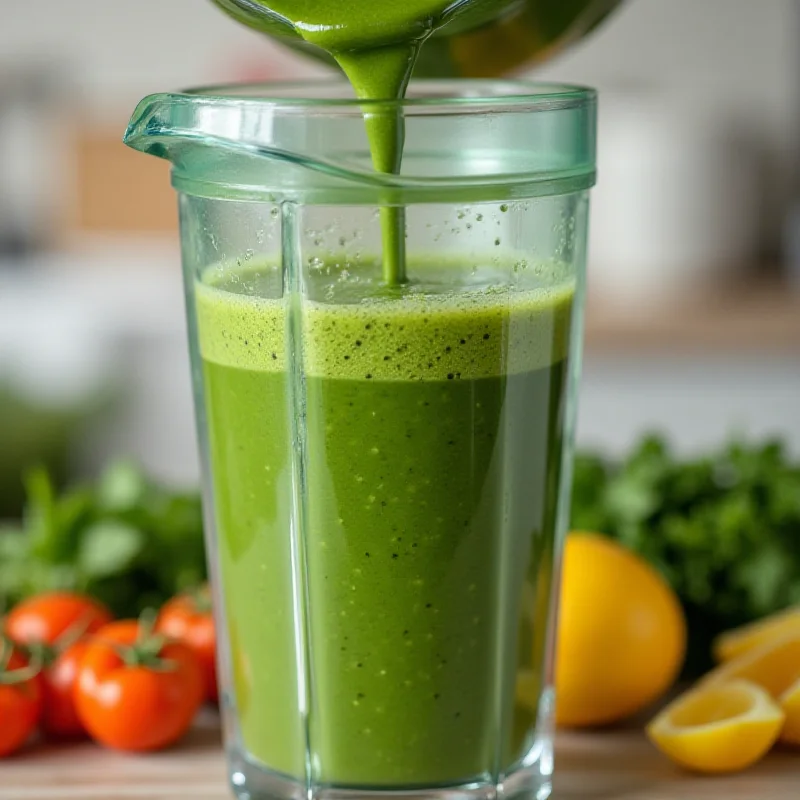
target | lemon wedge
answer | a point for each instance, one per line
(734, 643)
(790, 704)
(718, 728)
(774, 666)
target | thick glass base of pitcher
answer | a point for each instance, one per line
(529, 779)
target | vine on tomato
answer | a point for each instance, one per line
(20, 698)
(52, 628)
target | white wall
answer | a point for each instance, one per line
(736, 60)
(117, 51)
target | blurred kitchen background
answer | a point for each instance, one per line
(694, 317)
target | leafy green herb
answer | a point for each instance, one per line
(126, 540)
(724, 529)
(109, 547)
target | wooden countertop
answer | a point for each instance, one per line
(619, 765)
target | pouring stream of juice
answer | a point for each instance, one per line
(378, 44)
(379, 74)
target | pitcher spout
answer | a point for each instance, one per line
(239, 146)
(280, 142)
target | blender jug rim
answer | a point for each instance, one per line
(467, 139)
(424, 95)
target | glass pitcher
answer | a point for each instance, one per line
(386, 467)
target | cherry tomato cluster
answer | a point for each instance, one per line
(68, 670)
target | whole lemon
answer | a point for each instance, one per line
(621, 635)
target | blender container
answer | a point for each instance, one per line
(386, 466)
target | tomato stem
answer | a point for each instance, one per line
(6, 650)
(42, 652)
(201, 599)
(74, 633)
(21, 674)
(147, 623)
(146, 650)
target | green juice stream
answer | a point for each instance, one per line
(380, 74)
(431, 467)
(376, 45)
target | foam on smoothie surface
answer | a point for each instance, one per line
(454, 336)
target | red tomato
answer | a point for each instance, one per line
(52, 626)
(59, 718)
(46, 617)
(20, 700)
(137, 690)
(188, 619)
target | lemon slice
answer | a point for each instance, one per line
(718, 728)
(774, 665)
(733, 643)
(790, 703)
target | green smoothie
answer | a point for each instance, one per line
(429, 452)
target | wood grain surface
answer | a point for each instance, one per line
(617, 765)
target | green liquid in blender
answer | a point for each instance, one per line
(432, 461)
